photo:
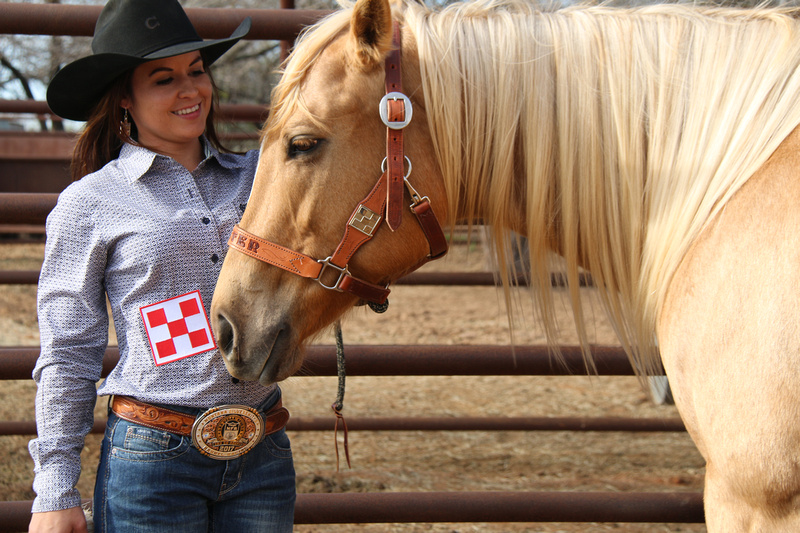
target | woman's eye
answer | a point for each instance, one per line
(198, 73)
(165, 81)
(302, 145)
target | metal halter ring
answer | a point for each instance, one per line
(386, 161)
(326, 263)
(383, 109)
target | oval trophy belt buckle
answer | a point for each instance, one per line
(228, 431)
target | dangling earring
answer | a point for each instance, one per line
(125, 126)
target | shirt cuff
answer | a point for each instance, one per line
(42, 504)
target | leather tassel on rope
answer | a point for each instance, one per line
(338, 405)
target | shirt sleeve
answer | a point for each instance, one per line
(73, 326)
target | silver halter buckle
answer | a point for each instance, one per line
(383, 109)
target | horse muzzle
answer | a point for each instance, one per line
(268, 357)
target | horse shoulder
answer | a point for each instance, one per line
(730, 342)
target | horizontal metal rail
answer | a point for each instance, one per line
(501, 507)
(634, 425)
(39, 202)
(33, 208)
(19, 277)
(489, 507)
(406, 360)
(231, 112)
(21, 228)
(623, 424)
(31, 277)
(211, 23)
(26, 208)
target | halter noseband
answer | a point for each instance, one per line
(385, 197)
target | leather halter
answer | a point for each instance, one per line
(386, 197)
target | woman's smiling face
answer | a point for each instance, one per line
(170, 101)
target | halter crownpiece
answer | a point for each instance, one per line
(386, 197)
(395, 111)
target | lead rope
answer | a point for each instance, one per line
(338, 405)
(341, 374)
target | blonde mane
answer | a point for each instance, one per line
(611, 136)
(285, 97)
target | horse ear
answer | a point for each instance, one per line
(371, 29)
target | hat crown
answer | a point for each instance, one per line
(127, 34)
(141, 27)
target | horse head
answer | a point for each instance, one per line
(323, 152)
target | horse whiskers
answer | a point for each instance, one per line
(234, 351)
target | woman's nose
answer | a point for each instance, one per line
(188, 87)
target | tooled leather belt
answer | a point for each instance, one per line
(224, 432)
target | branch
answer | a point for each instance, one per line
(26, 86)
(23, 79)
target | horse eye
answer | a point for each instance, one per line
(302, 145)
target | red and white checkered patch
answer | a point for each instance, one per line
(177, 328)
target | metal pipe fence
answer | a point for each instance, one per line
(17, 362)
(408, 360)
(417, 360)
(460, 507)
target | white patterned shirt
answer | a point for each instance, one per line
(141, 230)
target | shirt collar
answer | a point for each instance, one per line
(137, 160)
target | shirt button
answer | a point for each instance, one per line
(205, 220)
(214, 258)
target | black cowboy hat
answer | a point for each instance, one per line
(127, 34)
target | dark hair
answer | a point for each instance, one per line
(103, 136)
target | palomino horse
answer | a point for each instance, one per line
(654, 147)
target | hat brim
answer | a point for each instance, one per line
(76, 88)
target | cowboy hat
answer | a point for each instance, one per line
(127, 34)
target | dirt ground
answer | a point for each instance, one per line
(426, 461)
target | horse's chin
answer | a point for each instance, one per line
(278, 369)
(266, 368)
(274, 357)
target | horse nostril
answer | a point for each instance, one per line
(225, 336)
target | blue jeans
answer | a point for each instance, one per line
(151, 480)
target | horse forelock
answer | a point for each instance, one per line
(286, 98)
(617, 133)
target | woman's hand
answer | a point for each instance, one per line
(67, 521)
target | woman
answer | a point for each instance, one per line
(146, 227)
